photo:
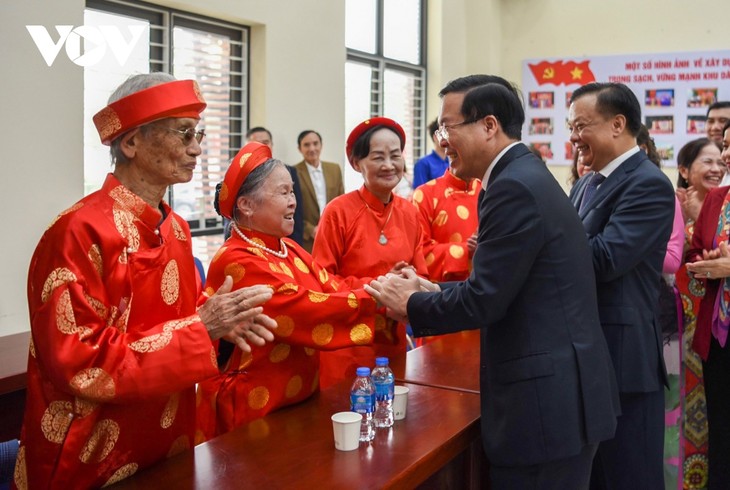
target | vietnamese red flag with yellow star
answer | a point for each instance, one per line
(562, 72)
(578, 72)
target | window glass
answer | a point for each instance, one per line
(360, 25)
(402, 30)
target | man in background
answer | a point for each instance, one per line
(434, 164)
(263, 135)
(321, 182)
(627, 207)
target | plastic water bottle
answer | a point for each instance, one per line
(362, 400)
(384, 382)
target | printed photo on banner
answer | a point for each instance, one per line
(660, 98)
(542, 100)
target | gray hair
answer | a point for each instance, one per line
(251, 188)
(131, 85)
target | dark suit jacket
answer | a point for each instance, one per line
(628, 223)
(547, 386)
(333, 183)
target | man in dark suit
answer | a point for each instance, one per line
(547, 387)
(321, 182)
(627, 207)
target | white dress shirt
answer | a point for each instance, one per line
(320, 188)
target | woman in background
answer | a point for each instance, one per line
(701, 170)
(367, 233)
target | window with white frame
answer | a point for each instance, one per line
(385, 73)
(210, 51)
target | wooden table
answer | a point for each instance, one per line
(450, 362)
(294, 448)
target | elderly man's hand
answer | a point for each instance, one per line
(237, 316)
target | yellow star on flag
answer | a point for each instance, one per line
(576, 73)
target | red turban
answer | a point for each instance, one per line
(248, 158)
(179, 98)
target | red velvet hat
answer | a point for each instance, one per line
(252, 155)
(179, 98)
(371, 123)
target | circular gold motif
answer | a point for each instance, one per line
(178, 231)
(124, 222)
(322, 334)
(258, 429)
(456, 251)
(57, 277)
(258, 398)
(209, 291)
(430, 258)
(323, 276)
(170, 286)
(299, 263)
(99, 308)
(352, 301)
(235, 270)
(151, 343)
(101, 442)
(170, 411)
(448, 192)
(462, 211)
(96, 260)
(418, 196)
(93, 383)
(257, 252)
(380, 322)
(286, 270)
(294, 386)
(84, 407)
(361, 334)
(73, 208)
(56, 420)
(288, 288)
(279, 353)
(20, 475)
(285, 326)
(456, 238)
(274, 268)
(107, 122)
(124, 472)
(435, 202)
(316, 297)
(31, 347)
(309, 351)
(441, 218)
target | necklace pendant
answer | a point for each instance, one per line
(382, 240)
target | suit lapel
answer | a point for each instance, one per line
(613, 181)
(512, 154)
(306, 181)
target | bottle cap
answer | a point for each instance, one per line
(381, 361)
(363, 371)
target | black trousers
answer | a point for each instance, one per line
(563, 474)
(716, 372)
(634, 458)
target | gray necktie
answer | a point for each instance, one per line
(593, 184)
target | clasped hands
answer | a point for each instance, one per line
(395, 288)
(237, 316)
(715, 264)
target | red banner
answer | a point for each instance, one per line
(562, 72)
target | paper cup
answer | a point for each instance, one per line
(400, 402)
(346, 426)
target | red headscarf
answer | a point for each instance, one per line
(179, 98)
(252, 155)
(371, 123)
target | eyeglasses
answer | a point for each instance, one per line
(580, 127)
(442, 133)
(189, 134)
